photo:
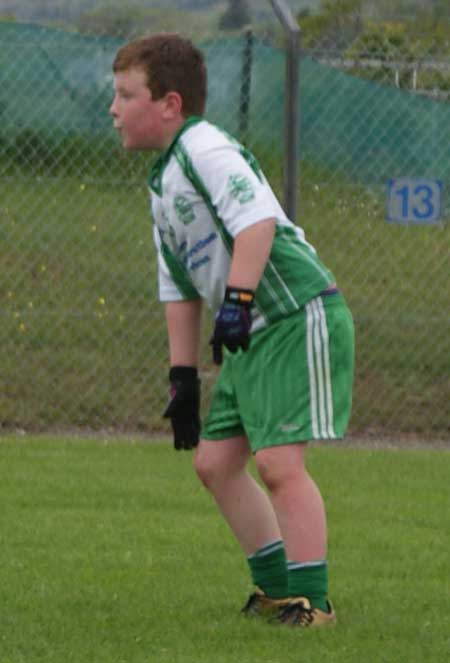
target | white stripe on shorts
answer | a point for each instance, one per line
(321, 400)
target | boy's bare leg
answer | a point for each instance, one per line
(284, 535)
(221, 466)
(296, 500)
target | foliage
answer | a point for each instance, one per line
(67, 10)
(387, 10)
(386, 45)
(347, 28)
(126, 21)
(116, 20)
(336, 25)
(404, 50)
(339, 22)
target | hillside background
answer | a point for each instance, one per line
(66, 11)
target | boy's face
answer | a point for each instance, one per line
(143, 124)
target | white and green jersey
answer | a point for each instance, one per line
(205, 189)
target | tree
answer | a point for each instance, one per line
(336, 26)
(236, 15)
(118, 21)
(128, 21)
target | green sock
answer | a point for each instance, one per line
(268, 570)
(309, 579)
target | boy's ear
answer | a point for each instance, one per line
(173, 105)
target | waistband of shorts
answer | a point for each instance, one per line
(333, 296)
(331, 290)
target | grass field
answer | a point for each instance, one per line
(83, 338)
(111, 552)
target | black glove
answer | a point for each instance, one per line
(184, 406)
(233, 322)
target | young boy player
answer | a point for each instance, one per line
(283, 334)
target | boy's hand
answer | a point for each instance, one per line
(233, 322)
(184, 406)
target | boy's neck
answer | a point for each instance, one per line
(172, 132)
(176, 129)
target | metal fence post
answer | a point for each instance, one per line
(246, 80)
(292, 119)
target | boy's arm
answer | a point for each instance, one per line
(183, 325)
(233, 321)
(250, 254)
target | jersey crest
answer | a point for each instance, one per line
(184, 209)
(240, 188)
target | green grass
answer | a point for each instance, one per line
(112, 552)
(83, 337)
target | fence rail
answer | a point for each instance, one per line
(397, 67)
(375, 63)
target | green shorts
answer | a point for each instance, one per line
(293, 384)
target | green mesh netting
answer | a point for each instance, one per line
(59, 82)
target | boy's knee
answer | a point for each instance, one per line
(275, 472)
(206, 467)
(216, 463)
(271, 475)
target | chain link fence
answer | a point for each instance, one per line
(82, 339)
